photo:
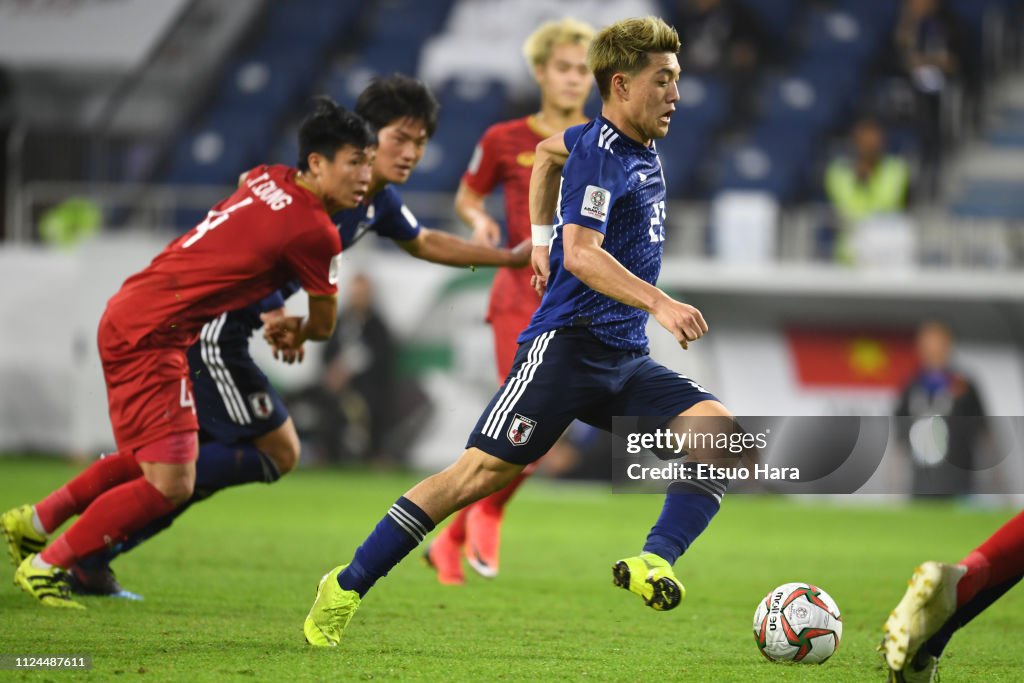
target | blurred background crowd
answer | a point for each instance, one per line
(841, 174)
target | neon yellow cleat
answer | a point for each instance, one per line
(48, 586)
(331, 611)
(650, 577)
(22, 538)
(929, 602)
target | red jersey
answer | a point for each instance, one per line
(270, 231)
(504, 156)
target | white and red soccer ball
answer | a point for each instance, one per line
(798, 622)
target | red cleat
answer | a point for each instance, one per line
(443, 556)
(483, 536)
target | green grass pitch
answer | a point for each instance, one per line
(228, 585)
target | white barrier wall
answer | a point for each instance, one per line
(52, 395)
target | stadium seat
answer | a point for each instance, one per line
(840, 36)
(799, 100)
(983, 198)
(682, 155)
(777, 16)
(774, 159)
(703, 101)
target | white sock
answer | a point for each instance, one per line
(39, 563)
(37, 523)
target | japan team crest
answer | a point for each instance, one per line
(262, 406)
(520, 430)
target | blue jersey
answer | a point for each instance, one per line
(612, 184)
(385, 215)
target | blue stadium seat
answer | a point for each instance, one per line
(878, 16)
(777, 16)
(703, 102)
(345, 81)
(265, 82)
(220, 147)
(310, 24)
(991, 199)
(775, 158)
(802, 99)
(840, 36)
(682, 154)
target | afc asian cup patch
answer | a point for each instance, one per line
(595, 203)
(262, 406)
(521, 429)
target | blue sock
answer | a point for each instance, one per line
(394, 537)
(220, 466)
(685, 515)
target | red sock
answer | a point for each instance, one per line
(497, 500)
(994, 562)
(455, 532)
(72, 498)
(110, 519)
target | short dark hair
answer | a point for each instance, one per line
(331, 127)
(387, 100)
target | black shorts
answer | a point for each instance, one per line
(568, 374)
(235, 401)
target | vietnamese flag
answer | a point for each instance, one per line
(854, 359)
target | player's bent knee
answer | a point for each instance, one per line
(175, 482)
(169, 464)
(282, 446)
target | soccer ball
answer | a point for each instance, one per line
(798, 622)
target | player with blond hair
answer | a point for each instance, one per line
(584, 354)
(557, 54)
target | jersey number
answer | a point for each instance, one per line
(657, 229)
(212, 220)
(186, 400)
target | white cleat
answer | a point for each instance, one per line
(929, 602)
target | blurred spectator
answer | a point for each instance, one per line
(718, 36)
(942, 454)
(724, 38)
(358, 381)
(868, 183)
(930, 54)
(65, 225)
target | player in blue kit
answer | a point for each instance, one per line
(245, 431)
(584, 354)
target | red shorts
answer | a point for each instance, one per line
(507, 327)
(148, 392)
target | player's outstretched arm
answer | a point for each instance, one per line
(599, 270)
(437, 246)
(470, 207)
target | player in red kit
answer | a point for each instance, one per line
(276, 227)
(557, 54)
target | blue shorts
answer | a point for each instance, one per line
(234, 399)
(568, 374)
